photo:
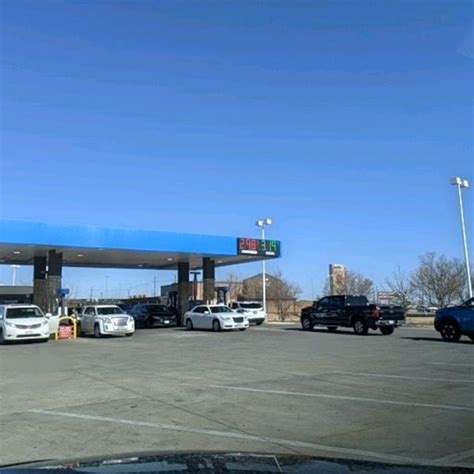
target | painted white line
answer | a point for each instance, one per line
(363, 374)
(455, 457)
(232, 435)
(451, 363)
(340, 397)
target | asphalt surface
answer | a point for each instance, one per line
(401, 398)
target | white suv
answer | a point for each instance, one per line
(20, 322)
(102, 320)
(251, 309)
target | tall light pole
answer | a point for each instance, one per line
(14, 267)
(463, 183)
(262, 223)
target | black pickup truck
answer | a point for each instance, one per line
(351, 311)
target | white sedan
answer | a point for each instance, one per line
(215, 317)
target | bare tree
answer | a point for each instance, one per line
(234, 283)
(351, 283)
(281, 292)
(358, 284)
(441, 280)
(401, 285)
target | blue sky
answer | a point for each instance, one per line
(343, 121)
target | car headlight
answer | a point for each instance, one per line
(107, 320)
(226, 318)
(9, 324)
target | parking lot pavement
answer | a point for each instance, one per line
(405, 397)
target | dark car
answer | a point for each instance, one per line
(456, 321)
(351, 311)
(153, 315)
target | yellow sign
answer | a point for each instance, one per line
(68, 331)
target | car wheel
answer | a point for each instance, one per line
(259, 323)
(332, 328)
(2, 339)
(189, 325)
(307, 324)
(242, 329)
(360, 327)
(149, 323)
(45, 340)
(129, 334)
(471, 337)
(450, 331)
(216, 325)
(387, 330)
(97, 331)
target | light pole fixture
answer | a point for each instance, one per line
(262, 223)
(463, 184)
(14, 268)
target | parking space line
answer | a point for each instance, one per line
(341, 397)
(364, 374)
(451, 363)
(451, 458)
(233, 435)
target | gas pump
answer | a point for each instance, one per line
(173, 299)
(221, 293)
(62, 293)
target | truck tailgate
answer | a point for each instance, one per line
(392, 313)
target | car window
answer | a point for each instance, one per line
(156, 308)
(336, 300)
(199, 309)
(2, 309)
(89, 311)
(356, 300)
(234, 305)
(220, 309)
(324, 301)
(251, 305)
(109, 310)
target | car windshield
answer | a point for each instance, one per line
(27, 312)
(251, 305)
(109, 310)
(220, 309)
(157, 308)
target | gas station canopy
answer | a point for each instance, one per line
(100, 247)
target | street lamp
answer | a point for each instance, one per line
(14, 267)
(262, 223)
(463, 183)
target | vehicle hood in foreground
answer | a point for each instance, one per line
(224, 462)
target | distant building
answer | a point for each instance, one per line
(337, 279)
(387, 297)
(226, 291)
(16, 294)
(222, 291)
